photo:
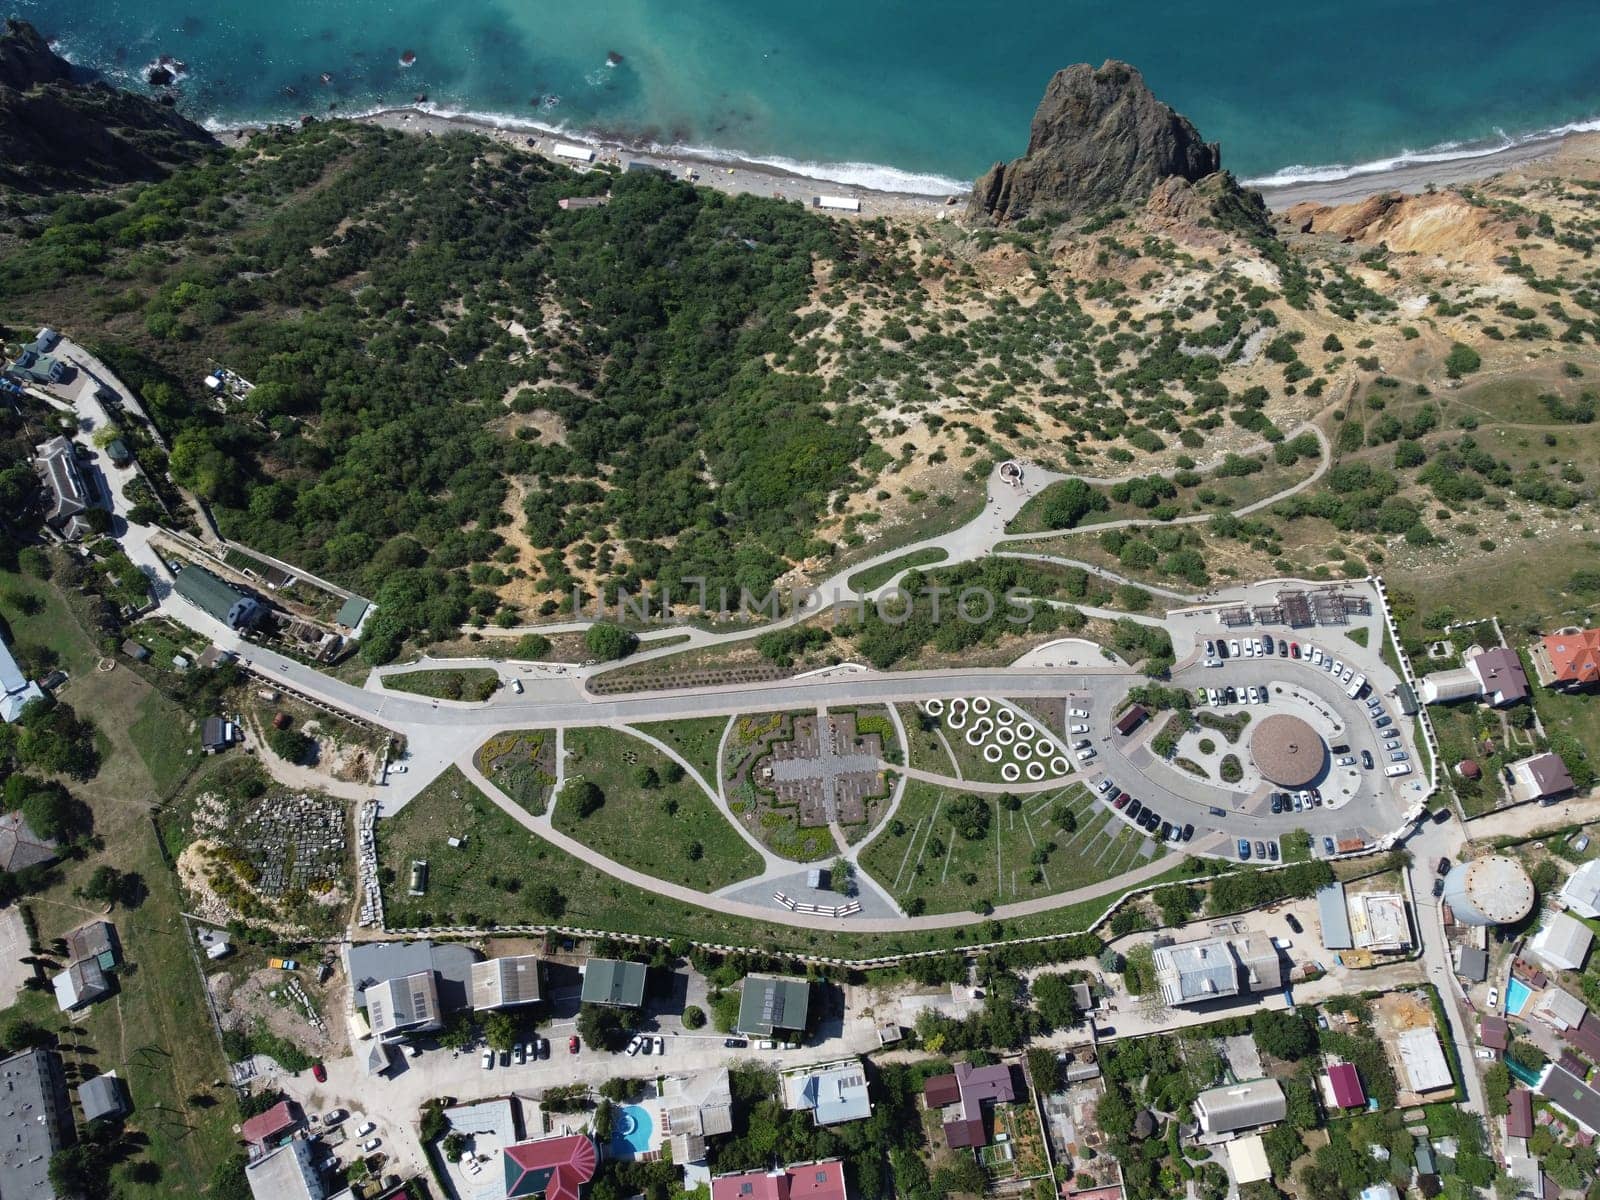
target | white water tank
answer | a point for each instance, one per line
(1489, 891)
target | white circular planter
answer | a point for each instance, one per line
(1004, 736)
(1035, 770)
(1010, 772)
(933, 707)
(981, 705)
(984, 726)
(1022, 751)
(957, 718)
(1059, 765)
(1004, 715)
(975, 736)
(1044, 748)
(958, 705)
(991, 753)
(1025, 731)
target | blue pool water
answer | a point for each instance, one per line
(1517, 994)
(630, 1136)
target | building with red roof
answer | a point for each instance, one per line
(1519, 1120)
(1567, 660)
(822, 1180)
(961, 1096)
(1494, 1032)
(1345, 1084)
(555, 1168)
(266, 1127)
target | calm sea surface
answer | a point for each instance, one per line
(881, 92)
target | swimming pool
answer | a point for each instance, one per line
(630, 1134)
(1517, 994)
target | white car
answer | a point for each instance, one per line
(516, 686)
(1078, 712)
(1250, 649)
(661, 1044)
(520, 1056)
(1347, 675)
(371, 1144)
(1233, 647)
(1485, 1054)
(397, 768)
(634, 1044)
(1215, 696)
(1494, 999)
(1085, 755)
(487, 1062)
(365, 1128)
(1105, 785)
(1316, 656)
(1079, 729)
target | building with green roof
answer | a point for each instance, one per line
(618, 984)
(770, 1005)
(218, 600)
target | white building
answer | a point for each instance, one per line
(1562, 942)
(1581, 893)
(1424, 1061)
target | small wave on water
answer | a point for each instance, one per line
(1442, 153)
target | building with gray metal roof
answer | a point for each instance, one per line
(1333, 914)
(286, 1174)
(35, 1122)
(1573, 1097)
(613, 982)
(102, 1096)
(1239, 1106)
(770, 1005)
(506, 982)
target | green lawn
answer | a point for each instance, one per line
(922, 856)
(876, 577)
(498, 849)
(926, 751)
(969, 757)
(697, 739)
(155, 1032)
(671, 830)
(464, 683)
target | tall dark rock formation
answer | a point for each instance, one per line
(1100, 137)
(58, 131)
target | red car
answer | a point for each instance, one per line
(572, 1044)
(319, 1072)
(1294, 649)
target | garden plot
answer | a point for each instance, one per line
(523, 765)
(995, 742)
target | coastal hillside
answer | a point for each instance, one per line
(59, 130)
(482, 380)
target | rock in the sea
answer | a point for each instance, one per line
(1099, 137)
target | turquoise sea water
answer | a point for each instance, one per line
(883, 92)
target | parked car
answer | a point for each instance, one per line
(1122, 800)
(1222, 648)
(1135, 809)
(634, 1043)
(1293, 922)
(1233, 647)
(319, 1072)
(1443, 866)
(1294, 649)
(734, 1043)
(1398, 756)
(1077, 712)
(1272, 851)
(1283, 648)
(519, 1056)
(1347, 760)
(573, 1044)
(1166, 831)
(1080, 729)
(1327, 846)
(1244, 850)
(1266, 643)
(1211, 648)
(1277, 804)
(1366, 759)
(647, 1045)
(661, 1044)
(1105, 785)
(333, 1116)
(1261, 851)
(371, 1144)
(1438, 888)
(1484, 1053)
(1494, 999)
(364, 1128)
(1188, 832)
(487, 1062)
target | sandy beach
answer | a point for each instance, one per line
(738, 177)
(731, 176)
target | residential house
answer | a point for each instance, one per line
(41, 367)
(1378, 922)
(102, 1097)
(20, 846)
(83, 982)
(56, 464)
(1234, 1107)
(1559, 1009)
(555, 1168)
(506, 982)
(267, 1129)
(1543, 777)
(1562, 942)
(1494, 676)
(1495, 1033)
(960, 1097)
(1342, 1085)
(217, 734)
(16, 689)
(1472, 963)
(96, 940)
(1568, 660)
(287, 1173)
(1247, 1160)
(822, 1180)
(1573, 1097)
(1216, 969)
(219, 600)
(1519, 1121)
(773, 1006)
(1333, 913)
(834, 1092)
(35, 1122)
(695, 1108)
(351, 614)
(1423, 1059)
(612, 982)
(409, 987)
(1581, 892)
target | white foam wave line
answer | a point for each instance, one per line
(1445, 152)
(870, 176)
